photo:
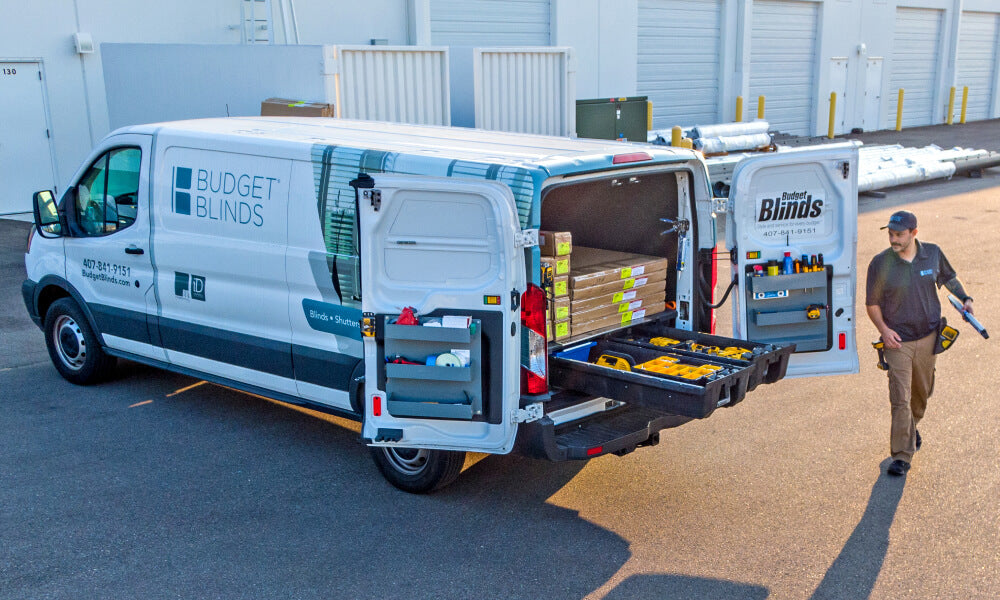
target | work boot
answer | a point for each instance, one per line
(918, 438)
(898, 467)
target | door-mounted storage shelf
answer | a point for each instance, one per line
(431, 372)
(432, 391)
(418, 333)
(777, 309)
(790, 282)
(787, 317)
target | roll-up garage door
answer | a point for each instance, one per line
(782, 63)
(978, 40)
(490, 22)
(679, 60)
(916, 50)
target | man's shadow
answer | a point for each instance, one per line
(853, 573)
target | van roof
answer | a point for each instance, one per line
(443, 142)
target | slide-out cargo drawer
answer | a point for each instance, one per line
(650, 379)
(767, 362)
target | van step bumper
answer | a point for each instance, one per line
(616, 432)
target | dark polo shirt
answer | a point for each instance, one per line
(906, 292)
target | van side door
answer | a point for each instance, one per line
(220, 234)
(445, 248)
(108, 254)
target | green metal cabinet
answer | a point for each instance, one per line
(612, 118)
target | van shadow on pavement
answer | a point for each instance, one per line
(209, 492)
(682, 587)
(855, 570)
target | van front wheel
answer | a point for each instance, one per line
(73, 345)
(417, 470)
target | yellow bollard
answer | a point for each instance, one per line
(965, 102)
(739, 109)
(675, 136)
(899, 111)
(951, 107)
(760, 107)
(833, 113)
(687, 143)
(649, 115)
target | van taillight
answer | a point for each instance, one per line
(534, 345)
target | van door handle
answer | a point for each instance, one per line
(134, 250)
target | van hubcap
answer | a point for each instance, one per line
(69, 343)
(407, 460)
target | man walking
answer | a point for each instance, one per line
(903, 304)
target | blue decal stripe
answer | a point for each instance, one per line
(311, 365)
(323, 368)
(237, 385)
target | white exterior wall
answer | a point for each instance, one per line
(74, 83)
(603, 34)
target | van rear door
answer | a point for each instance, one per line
(803, 202)
(446, 248)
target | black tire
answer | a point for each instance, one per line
(418, 471)
(73, 346)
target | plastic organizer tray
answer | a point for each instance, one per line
(668, 365)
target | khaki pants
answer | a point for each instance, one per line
(911, 382)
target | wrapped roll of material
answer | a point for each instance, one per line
(731, 129)
(716, 145)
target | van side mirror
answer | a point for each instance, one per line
(47, 220)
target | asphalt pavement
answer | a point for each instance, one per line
(156, 485)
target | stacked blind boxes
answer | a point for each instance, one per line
(612, 289)
(556, 248)
(593, 289)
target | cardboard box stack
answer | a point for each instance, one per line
(556, 248)
(609, 288)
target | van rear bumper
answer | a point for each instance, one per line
(28, 293)
(616, 432)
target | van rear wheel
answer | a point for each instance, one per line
(418, 470)
(73, 346)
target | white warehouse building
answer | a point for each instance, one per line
(64, 82)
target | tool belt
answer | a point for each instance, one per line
(945, 338)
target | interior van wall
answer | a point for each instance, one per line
(613, 214)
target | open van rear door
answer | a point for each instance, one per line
(447, 248)
(803, 202)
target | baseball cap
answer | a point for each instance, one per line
(900, 220)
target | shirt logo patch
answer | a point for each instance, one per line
(926, 272)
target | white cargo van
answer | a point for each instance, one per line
(277, 255)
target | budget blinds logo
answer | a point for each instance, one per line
(191, 287)
(182, 190)
(791, 205)
(220, 195)
(797, 214)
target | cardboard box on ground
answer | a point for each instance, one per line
(284, 107)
